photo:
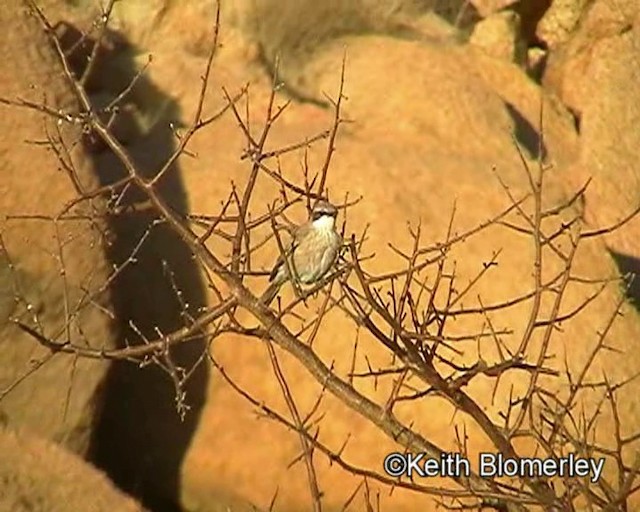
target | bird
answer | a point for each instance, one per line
(312, 252)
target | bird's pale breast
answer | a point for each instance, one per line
(315, 254)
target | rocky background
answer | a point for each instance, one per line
(437, 93)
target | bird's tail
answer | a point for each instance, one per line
(270, 293)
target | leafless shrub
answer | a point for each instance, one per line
(408, 310)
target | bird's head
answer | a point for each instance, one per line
(323, 215)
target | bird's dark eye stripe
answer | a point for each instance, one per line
(316, 215)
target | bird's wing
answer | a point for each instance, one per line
(330, 255)
(297, 235)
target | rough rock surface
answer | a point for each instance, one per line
(39, 476)
(560, 21)
(49, 272)
(595, 73)
(499, 35)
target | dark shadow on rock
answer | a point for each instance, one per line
(577, 119)
(526, 135)
(530, 13)
(140, 440)
(629, 267)
(462, 14)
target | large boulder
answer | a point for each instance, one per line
(52, 270)
(595, 73)
(430, 122)
(39, 476)
(433, 125)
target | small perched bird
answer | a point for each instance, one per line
(313, 251)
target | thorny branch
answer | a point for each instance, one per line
(409, 310)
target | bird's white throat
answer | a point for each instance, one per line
(325, 222)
